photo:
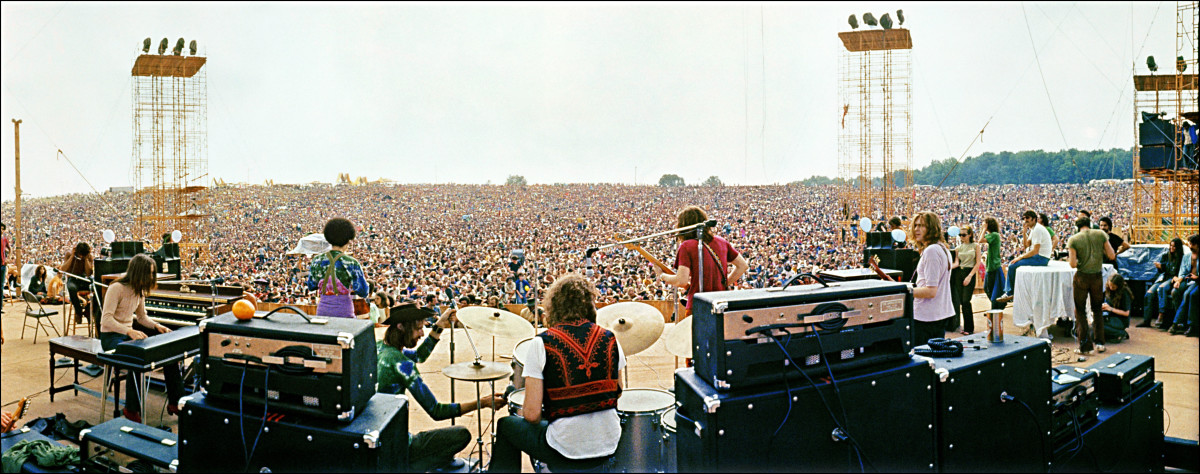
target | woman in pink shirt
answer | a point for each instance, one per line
(931, 294)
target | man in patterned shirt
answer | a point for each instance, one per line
(398, 372)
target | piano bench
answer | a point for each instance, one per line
(155, 446)
(78, 348)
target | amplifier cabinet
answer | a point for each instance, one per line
(1128, 438)
(1073, 404)
(1120, 377)
(979, 429)
(888, 411)
(325, 368)
(214, 438)
(860, 323)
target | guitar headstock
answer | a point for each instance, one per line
(20, 412)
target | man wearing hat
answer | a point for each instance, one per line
(398, 372)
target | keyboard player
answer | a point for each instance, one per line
(124, 319)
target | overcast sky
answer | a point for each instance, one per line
(471, 93)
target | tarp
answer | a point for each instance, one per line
(311, 244)
(1137, 262)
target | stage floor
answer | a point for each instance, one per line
(24, 373)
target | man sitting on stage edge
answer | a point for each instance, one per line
(397, 371)
(1038, 254)
(572, 383)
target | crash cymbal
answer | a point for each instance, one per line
(636, 325)
(481, 371)
(495, 322)
(679, 339)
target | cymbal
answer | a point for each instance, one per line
(495, 322)
(637, 325)
(481, 371)
(679, 339)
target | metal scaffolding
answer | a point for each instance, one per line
(1165, 199)
(170, 148)
(875, 134)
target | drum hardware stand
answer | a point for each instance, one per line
(478, 398)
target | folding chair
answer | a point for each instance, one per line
(39, 315)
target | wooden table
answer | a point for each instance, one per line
(79, 348)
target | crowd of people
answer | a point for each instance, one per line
(448, 242)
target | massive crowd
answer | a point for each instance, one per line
(444, 242)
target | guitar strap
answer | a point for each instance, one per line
(724, 277)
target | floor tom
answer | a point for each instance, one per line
(641, 411)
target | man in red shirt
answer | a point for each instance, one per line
(718, 253)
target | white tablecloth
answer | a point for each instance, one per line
(1044, 294)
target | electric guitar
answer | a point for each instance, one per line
(874, 262)
(658, 263)
(21, 411)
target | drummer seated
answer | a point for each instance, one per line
(569, 419)
(433, 449)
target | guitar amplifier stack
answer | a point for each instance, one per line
(800, 376)
(294, 381)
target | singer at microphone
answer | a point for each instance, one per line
(716, 256)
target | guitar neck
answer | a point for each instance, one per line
(658, 263)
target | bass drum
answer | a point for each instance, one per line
(641, 411)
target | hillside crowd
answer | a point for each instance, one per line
(446, 242)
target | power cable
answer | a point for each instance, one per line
(1045, 86)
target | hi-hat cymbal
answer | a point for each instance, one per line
(636, 325)
(481, 371)
(679, 339)
(495, 322)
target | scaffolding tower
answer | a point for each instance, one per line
(875, 134)
(170, 148)
(1165, 192)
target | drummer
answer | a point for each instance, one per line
(433, 449)
(569, 418)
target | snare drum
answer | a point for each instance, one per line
(641, 411)
(668, 444)
(516, 400)
(518, 362)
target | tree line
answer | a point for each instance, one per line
(1022, 167)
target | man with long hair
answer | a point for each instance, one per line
(718, 253)
(124, 319)
(932, 302)
(572, 383)
(398, 372)
(1086, 251)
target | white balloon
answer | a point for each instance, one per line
(898, 235)
(108, 235)
(953, 231)
(176, 236)
(864, 223)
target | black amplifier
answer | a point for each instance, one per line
(885, 420)
(849, 325)
(991, 400)
(313, 366)
(1073, 404)
(1126, 438)
(1119, 377)
(217, 438)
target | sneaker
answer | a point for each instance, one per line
(1100, 348)
(132, 415)
(1146, 322)
(1177, 329)
(1004, 299)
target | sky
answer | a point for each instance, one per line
(558, 92)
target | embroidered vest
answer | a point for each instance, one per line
(581, 370)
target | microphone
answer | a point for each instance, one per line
(590, 272)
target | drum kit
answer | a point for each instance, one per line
(647, 415)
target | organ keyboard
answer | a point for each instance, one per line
(180, 304)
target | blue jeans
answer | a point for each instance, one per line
(1188, 306)
(1156, 299)
(1034, 261)
(993, 284)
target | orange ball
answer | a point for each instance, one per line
(243, 310)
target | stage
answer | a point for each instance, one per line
(24, 371)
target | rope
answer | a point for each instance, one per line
(1045, 86)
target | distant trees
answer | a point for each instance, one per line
(515, 180)
(671, 181)
(1023, 167)
(713, 181)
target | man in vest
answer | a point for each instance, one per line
(569, 419)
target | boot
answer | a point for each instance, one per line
(1177, 329)
(1146, 322)
(132, 415)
